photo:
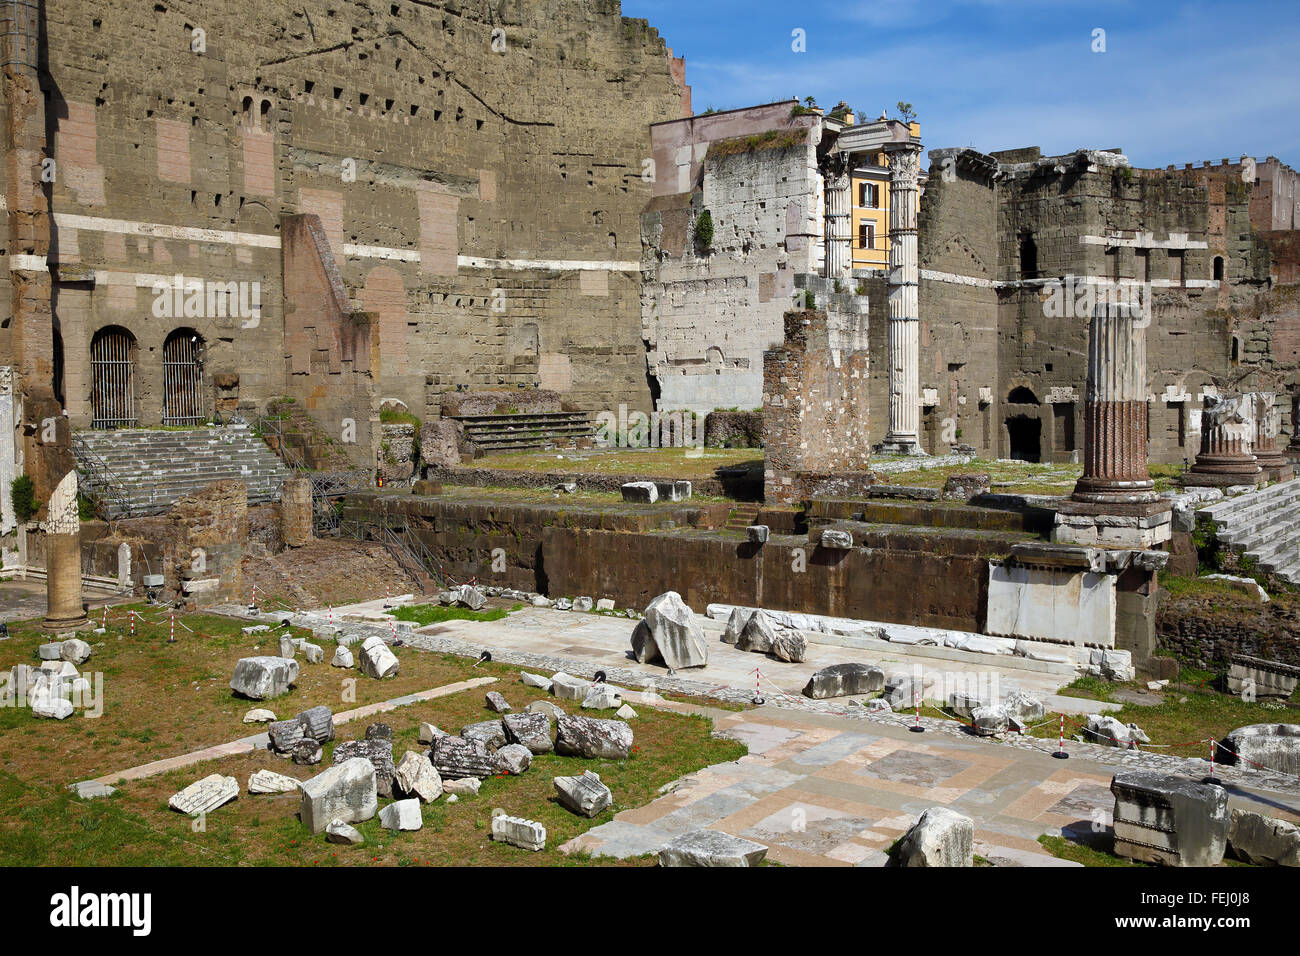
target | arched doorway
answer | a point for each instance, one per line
(183, 378)
(112, 378)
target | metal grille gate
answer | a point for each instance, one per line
(183, 379)
(112, 392)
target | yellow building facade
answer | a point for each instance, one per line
(870, 211)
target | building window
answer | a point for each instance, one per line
(1218, 268)
(867, 235)
(869, 195)
(1028, 257)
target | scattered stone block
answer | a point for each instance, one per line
(532, 730)
(261, 678)
(592, 738)
(563, 604)
(1253, 677)
(640, 492)
(552, 710)
(535, 680)
(268, 781)
(1270, 746)
(673, 490)
(905, 690)
(259, 715)
(757, 635)
(461, 787)
(586, 795)
(378, 731)
(497, 703)
(513, 759)
(1025, 708)
(758, 533)
(1110, 732)
(306, 752)
(941, 837)
(285, 734)
(605, 604)
(989, 720)
(343, 834)
(540, 600)
(288, 647)
(317, 723)
(402, 815)
(670, 634)
(429, 733)
(837, 540)
(625, 713)
(50, 651)
(1169, 820)
(516, 831)
(455, 757)
(489, 735)
(415, 777)
(1264, 841)
(789, 646)
(342, 657)
(379, 754)
(50, 706)
(711, 848)
(469, 596)
(205, 795)
(567, 687)
(735, 625)
(583, 603)
(347, 792)
(377, 660)
(602, 697)
(844, 680)
(75, 651)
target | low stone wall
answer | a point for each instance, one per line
(741, 488)
(1207, 636)
(733, 430)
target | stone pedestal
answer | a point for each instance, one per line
(1114, 503)
(65, 610)
(1272, 462)
(904, 308)
(1224, 459)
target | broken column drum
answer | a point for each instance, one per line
(1224, 458)
(65, 610)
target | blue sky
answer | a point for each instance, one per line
(1177, 83)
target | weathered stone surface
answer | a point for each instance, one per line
(376, 659)
(313, 653)
(906, 690)
(1271, 746)
(306, 752)
(347, 791)
(625, 713)
(378, 731)
(268, 781)
(75, 651)
(402, 815)
(535, 680)
(513, 759)
(461, 787)
(789, 646)
(455, 757)
(380, 755)
(342, 657)
(988, 720)
(1110, 732)
(415, 777)
(288, 646)
(532, 730)
(429, 733)
(469, 596)
(549, 708)
(1024, 707)
(586, 795)
(516, 831)
(602, 697)
(673, 632)
(941, 837)
(605, 604)
(1264, 841)
(50, 651)
(259, 715)
(836, 539)
(758, 533)
(711, 848)
(46, 704)
(735, 625)
(566, 687)
(1169, 820)
(284, 734)
(317, 723)
(592, 737)
(497, 703)
(642, 492)
(583, 603)
(343, 834)
(844, 680)
(205, 795)
(487, 734)
(758, 634)
(261, 678)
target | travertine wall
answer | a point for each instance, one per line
(475, 167)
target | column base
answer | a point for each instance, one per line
(1137, 526)
(900, 446)
(65, 623)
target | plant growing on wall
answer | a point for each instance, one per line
(704, 231)
(22, 494)
(905, 111)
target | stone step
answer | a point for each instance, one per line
(1226, 509)
(1262, 529)
(1255, 517)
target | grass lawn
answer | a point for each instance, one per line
(163, 700)
(683, 463)
(1017, 477)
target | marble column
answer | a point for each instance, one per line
(904, 307)
(1271, 459)
(1115, 409)
(64, 608)
(839, 224)
(1225, 458)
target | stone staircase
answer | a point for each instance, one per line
(742, 516)
(1263, 526)
(527, 431)
(144, 471)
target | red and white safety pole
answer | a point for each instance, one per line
(132, 613)
(1060, 742)
(103, 621)
(916, 727)
(758, 687)
(171, 637)
(1212, 778)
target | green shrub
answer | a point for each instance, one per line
(22, 494)
(704, 230)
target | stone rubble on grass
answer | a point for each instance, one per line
(268, 781)
(535, 680)
(376, 659)
(516, 831)
(1264, 841)
(378, 731)
(75, 651)
(1025, 708)
(306, 752)
(378, 753)
(455, 757)
(1110, 732)
(585, 795)
(49, 705)
(987, 720)
(259, 715)
(549, 708)
(487, 734)
(288, 647)
(255, 629)
(469, 596)
(343, 657)
(461, 787)
(343, 834)
(513, 759)
(497, 703)
(592, 738)
(904, 691)
(583, 603)
(429, 733)
(402, 815)
(1174, 821)
(711, 848)
(940, 837)
(346, 792)
(602, 697)
(205, 795)
(313, 653)
(532, 730)
(1274, 747)
(844, 680)
(317, 723)
(260, 678)
(284, 734)
(415, 777)
(670, 634)
(625, 712)
(566, 687)
(641, 492)
(605, 604)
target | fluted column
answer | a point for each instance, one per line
(839, 225)
(1225, 458)
(904, 306)
(1115, 408)
(1267, 426)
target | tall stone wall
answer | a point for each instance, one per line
(476, 169)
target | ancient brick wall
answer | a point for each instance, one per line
(476, 168)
